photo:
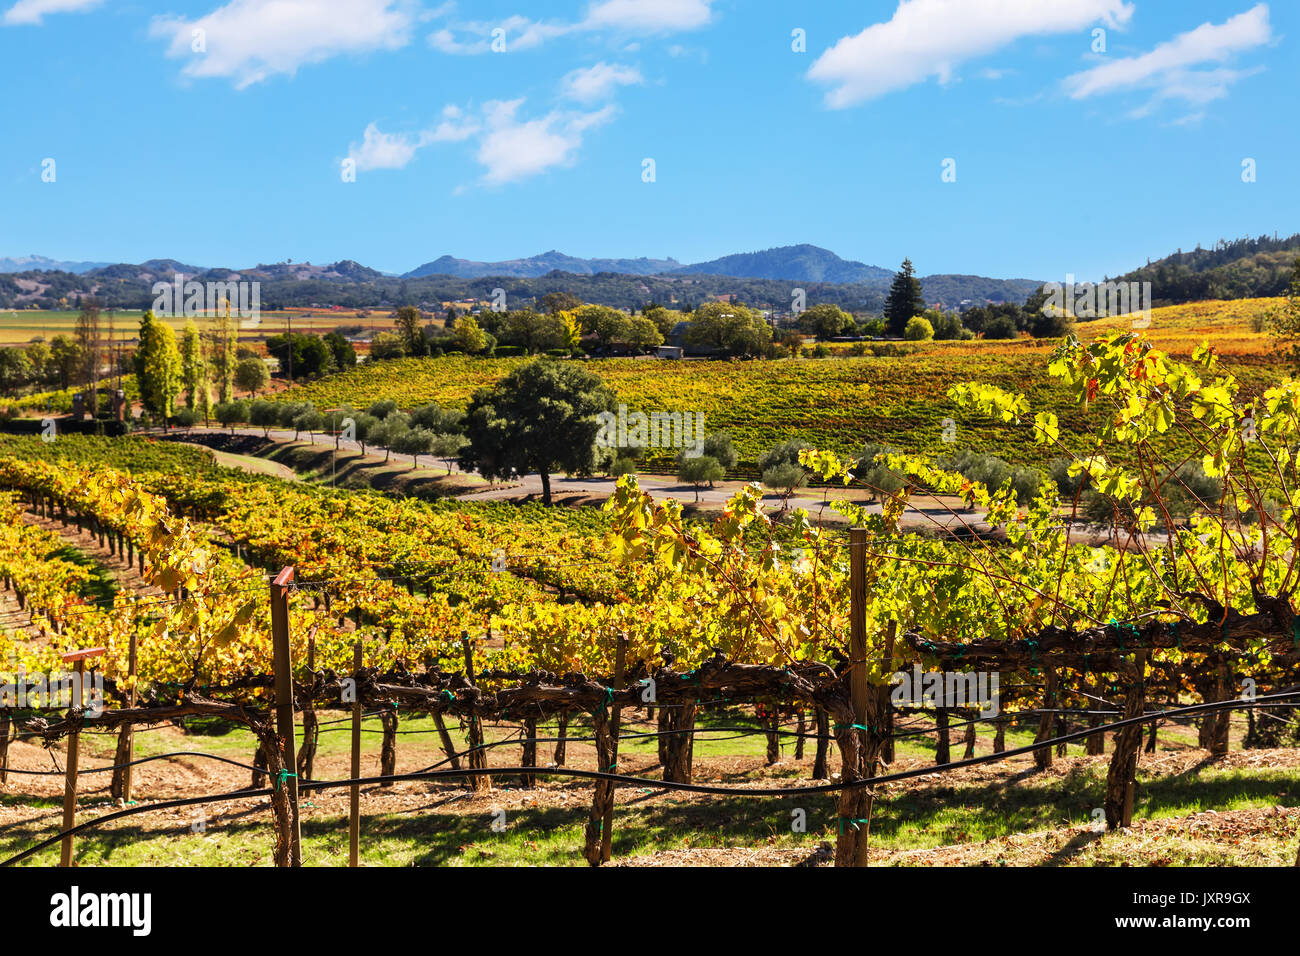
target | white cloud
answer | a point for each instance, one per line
(454, 128)
(382, 150)
(507, 147)
(519, 33)
(599, 81)
(512, 150)
(635, 17)
(648, 16)
(250, 40)
(32, 11)
(932, 37)
(1171, 68)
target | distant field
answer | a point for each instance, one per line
(20, 326)
(839, 403)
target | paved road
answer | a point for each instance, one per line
(658, 487)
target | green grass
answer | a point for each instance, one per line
(448, 830)
(102, 586)
(450, 827)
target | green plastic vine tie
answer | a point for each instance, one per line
(283, 776)
(853, 822)
(451, 698)
(1119, 632)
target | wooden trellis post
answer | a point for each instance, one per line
(858, 747)
(354, 814)
(284, 722)
(477, 755)
(121, 786)
(78, 660)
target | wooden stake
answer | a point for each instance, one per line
(4, 748)
(607, 830)
(887, 750)
(855, 803)
(78, 660)
(354, 825)
(128, 733)
(284, 723)
(310, 731)
(477, 755)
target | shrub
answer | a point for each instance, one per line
(918, 330)
(720, 448)
(228, 413)
(947, 326)
(787, 453)
(438, 419)
(286, 412)
(1068, 485)
(620, 466)
(879, 477)
(264, 414)
(1001, 327)
(784, 477)
(702, 470)
(386, 345)
(994, 473)
(308, 420)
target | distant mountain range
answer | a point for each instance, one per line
(536, 266)
(765, 279)
(802, 263)
(33, 263)
(760, 278)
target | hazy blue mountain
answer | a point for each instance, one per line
(42, 264)
(152, 269)
(803, 263)
(535, 266)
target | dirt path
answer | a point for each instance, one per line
(128, 577)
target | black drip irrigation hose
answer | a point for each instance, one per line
(1281, 699)
(736, 733)
(137, 762)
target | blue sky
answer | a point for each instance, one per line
(1068, 157)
